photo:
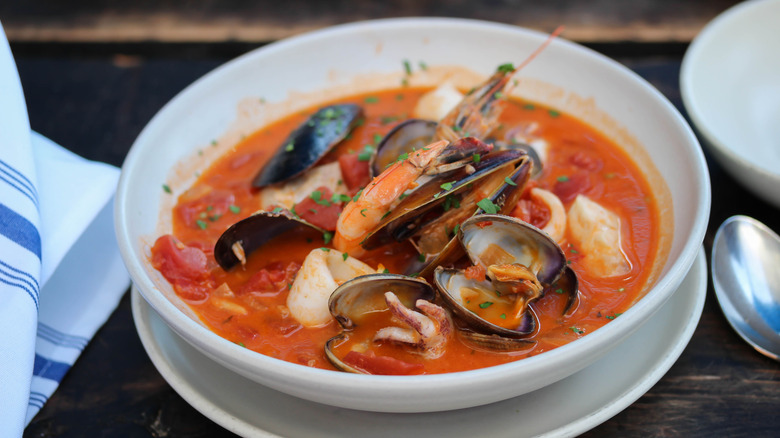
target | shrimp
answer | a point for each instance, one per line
(362, 215)
(477, 114)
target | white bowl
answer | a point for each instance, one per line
(371, 54)
(730, 84)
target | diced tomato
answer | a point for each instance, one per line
(271, 280)
(476, 272)
(185, 267)
(568, 187)
(323, 212)
(385, 365)
(532, 212)
(355, 172)
(206, 207)
(586, 161)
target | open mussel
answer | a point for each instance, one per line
(308, 143)
(393, 309)
(515, 263)
(406, 137)
(245, 236)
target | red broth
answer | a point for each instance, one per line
(251, 309)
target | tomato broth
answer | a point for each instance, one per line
(247, 304)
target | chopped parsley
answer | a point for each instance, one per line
(363, 212)
(509, 181)
(562, 178)
(487, 206)
(202, 224)
(485, 305)
(327, 237)
(447, 186)
(506, 68)
(357, 195)
(339, 197)
(613, 316)
(290, 146)
(423, 66)
(553, 113)
(407, 67)
(325, 249)
(371, 99)
(577, 330)
(344, 256)
(502, 316)
(317, 197)
(455, 230)
(476, 158)
(451, 201)
(277, 210)
(421, 258)
(166, 188)
(386, 271)
(368, 151)
(559, 291)
(529, 106)
(235, 209)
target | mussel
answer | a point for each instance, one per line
(248, 234)
(308, 143)
(399, 306)
(519, 264)
(405, 137)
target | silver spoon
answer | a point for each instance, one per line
(746, 277)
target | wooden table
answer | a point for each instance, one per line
(94, 77)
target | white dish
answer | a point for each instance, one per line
(610, 385)
(566, 76)
(730, 85)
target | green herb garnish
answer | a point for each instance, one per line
(166, 188)
(506, 68)
(488, 206)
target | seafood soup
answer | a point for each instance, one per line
(414, 231)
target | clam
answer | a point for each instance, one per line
(391, 309)
(515, 264)
(308, 143)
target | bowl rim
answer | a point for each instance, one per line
(688, 70)
(613, 332)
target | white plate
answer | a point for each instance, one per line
(568, 407)
(730, 85)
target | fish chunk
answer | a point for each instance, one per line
(596, 233)
(321, 273)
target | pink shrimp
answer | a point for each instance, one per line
(362, 215)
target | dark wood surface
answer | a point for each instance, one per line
(95, 100)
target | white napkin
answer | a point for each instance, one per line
(61, 275)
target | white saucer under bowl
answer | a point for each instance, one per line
(730, 86)
(568, 407)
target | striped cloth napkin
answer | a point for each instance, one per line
(61, 275)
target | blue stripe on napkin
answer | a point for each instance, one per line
(49, 369)
(37, 399)
(61, 339)
(17, 180)
(18, 229)
(20, 279)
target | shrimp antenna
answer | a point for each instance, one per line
(541, 48)
(510, 86)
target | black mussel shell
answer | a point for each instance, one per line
(528, 149)
(408, 217)
(308, 143)
(406, 137)
(253, 232)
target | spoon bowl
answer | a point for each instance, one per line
(746, 278)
